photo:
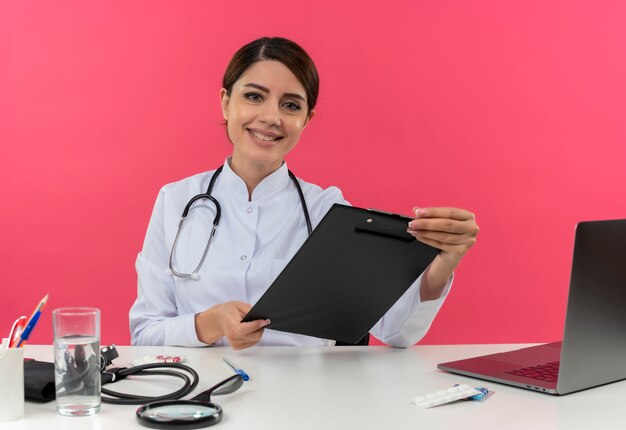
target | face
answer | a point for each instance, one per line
(265, 114)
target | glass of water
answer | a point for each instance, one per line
(77, 360)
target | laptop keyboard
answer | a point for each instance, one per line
(545, 372)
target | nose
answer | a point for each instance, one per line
(270, 114)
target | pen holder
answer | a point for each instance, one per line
(12, 382)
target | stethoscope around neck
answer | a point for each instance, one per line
(218, 213)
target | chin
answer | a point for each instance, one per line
(264, 156)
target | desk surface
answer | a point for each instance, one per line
(346, 388)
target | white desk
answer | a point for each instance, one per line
(347, 388)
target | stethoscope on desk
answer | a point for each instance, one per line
(218, 212)
(166, 411)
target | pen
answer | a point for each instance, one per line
(236, 369)
(32, 322)
(29, 327)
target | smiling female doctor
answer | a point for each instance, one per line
(184, 298)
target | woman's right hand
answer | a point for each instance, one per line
(224, 320)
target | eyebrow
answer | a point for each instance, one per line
(266, 90)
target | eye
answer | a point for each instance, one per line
(253, 97)
(292, 106)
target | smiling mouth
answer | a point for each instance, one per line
(263, 137)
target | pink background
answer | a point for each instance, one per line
(514, 110)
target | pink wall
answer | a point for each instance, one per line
(515, 110)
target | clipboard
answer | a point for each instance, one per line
(350, 271)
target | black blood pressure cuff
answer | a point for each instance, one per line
(38, 380)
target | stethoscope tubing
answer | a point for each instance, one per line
(150, 369)
(218, 213)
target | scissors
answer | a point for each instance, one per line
(16, 331)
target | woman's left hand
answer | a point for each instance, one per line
(451, 230)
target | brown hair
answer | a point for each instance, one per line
(279, 49)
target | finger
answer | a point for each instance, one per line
(251, 326)
(447, 238)
(441, 224)
(439, 245)
(247, 340)
(452, 249)
(253, 337)
(451, 213)
(431, 242)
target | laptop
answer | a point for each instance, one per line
(593, 349)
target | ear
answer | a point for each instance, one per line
(225, 99)
(311, 115)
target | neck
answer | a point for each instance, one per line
(252, 173)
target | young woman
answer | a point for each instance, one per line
(194, 287)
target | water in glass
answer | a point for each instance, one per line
(77, 375)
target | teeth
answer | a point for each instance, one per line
(262, 136)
